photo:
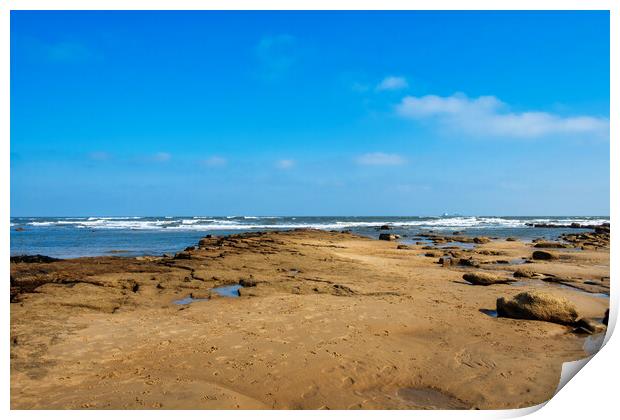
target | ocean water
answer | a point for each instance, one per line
(67, 237)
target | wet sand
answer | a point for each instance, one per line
(325, 320)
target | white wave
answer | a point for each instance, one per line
(249, 223)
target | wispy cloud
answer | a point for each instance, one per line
(285, 164)
(487, 116)
(276, 54)
(99, 156)
(380, 159)
(393, 83)
(215, 161)
(161, 157)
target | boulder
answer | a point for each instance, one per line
(511, 239)
(606, 317)
(539, 306)
(385, 227)
(544, 255)
(481, 240)
(485, 279)
(403, 247)
(388, 237)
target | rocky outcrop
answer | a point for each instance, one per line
(539, 306)
(550, 245)
(29, 259)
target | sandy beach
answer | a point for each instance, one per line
(324, 320)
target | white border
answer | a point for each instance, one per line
(591, 395)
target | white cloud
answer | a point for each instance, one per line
(487, 116)
(285, 163)
(393, 83)
(161, 157)
(214, 161)
(380, 159)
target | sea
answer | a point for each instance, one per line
(70, 237)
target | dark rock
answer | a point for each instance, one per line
(606, 317)
(544, 255)
(248, 282)
(385, 227)
(510, 239)
(388, 237)
(403, 247)
(588, 326)
(19, 229)
(468, 262)
(481, 240)
(549, 245)
(33, 259)
(183, 255)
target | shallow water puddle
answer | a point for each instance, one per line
(489, 312)
(463, 245)
(575, 289)
(431, 399)
(231, 290)
(187, 301)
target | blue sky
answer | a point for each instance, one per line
(309, 113)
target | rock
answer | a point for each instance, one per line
(385, 227)
(511, 239)
(481, 240)
(388, 237)
(403, 247)
(433, 254)
(602, 229)
(539, 306)
(525, 273)
(205, 241)
(484, 279)
(468, 262)
(575, 225)
(606, 317)
(544, 255)
(248, 282)
(38, 258)
(167, 256)
(549, 245)
(446, 261)
(19, 229)
(182, 255)
(589, 326)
